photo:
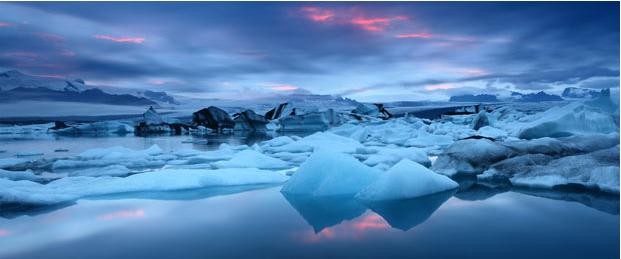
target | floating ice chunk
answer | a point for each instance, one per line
(492, 132)
(568, 120)
(250, 158)
(278, 141)
(599, 170)
(391, 156)
(72, 188)
(111, 170)
(424, 139)
(480, 120)
(18, 175)
(325, 140)
(327, 172)
(405, 180)
(8, 162)
(98, 128)
(100, 157)
(470, 156)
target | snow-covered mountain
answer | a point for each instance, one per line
(14, 79)
(16, 86)
(474, 98)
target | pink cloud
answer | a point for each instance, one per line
(157, 82)
(134, 40)
(355, 16)
(123, 214)
(284, 88)
(317, 14)
(5, 24)
(435, 87)
(421, 35)
(375, 24)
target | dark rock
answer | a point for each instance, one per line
(59, 125)
(248, 120)
(213, 118)
(277, 112)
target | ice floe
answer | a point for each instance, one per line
(327, 173)
(72, 188)
(406, 179)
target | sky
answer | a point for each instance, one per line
(390, 51)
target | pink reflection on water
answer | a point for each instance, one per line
(356, 229)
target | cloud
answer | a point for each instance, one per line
(134, 40)
(284, 88)
(421, 35)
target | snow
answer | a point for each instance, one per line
(406, 179)
(327, 173)
(72, 188)
(250, 158)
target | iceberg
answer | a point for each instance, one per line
(470, 156)
(73, 188)
(327, 173)
(406, 180)
(391, 155)
(250, 158)
(597, 170)
(571, 119)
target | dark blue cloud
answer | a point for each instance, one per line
(353, 49)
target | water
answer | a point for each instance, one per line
(260, 222)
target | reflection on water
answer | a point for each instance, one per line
(406, 214)
(258, 221)
(323, 212)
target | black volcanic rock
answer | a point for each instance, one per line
(213, 118)
(474, 98)
(248, 120)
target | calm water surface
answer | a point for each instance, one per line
(259, 221)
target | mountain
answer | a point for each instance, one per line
(15, 86)
(536, 97)
(474, 98)
(13, 79)
(582, 93)
(158, 97)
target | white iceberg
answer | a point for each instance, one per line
(252, 159)
(574, 118)
(327, 173)
(406, 179)
(72, 188)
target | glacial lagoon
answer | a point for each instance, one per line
(247, 221)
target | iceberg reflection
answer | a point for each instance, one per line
(406, 214)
